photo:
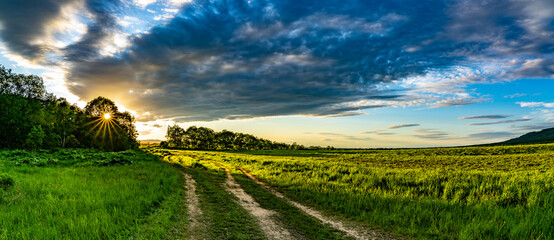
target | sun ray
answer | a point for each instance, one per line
(104, 128)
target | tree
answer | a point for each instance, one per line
(20, 106)
(31, 117)
(34, 138)
(207, 139)
(100, 106)
(66, 124)
(117, 132)
(27, 86)
(175, 136)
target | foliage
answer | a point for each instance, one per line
(35, 137)
(72, 157)
(27, 86)
(33, 118)
(500, 192)
(6, 181)
(207, 139)
(114, 134)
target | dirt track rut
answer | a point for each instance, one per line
(350, 228)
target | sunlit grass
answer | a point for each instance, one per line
(503, 192)
(81, 201)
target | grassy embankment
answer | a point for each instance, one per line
(87, 194)
(502, 192)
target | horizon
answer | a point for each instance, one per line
(357, 75)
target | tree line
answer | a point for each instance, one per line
(32, 118)
(202, 138)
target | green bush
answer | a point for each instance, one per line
(6, 181)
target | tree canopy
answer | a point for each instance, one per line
(33, 118)
(208, 139)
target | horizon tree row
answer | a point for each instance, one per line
(202, 138)
(32, 118)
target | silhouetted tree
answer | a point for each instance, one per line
(114, 133)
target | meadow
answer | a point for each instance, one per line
(493, 192)
(86, 194)
(497, 192)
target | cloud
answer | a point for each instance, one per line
(536, 104)
(427, 133)
(143, 3)
(516, 95)
(492, 135)
(212, 60)
(457, 102)
(344, 136)
(534, 127)
(500, 122)
(378, 132)
(102, 27)
(494, 116)
(26, 24)
(403, 125)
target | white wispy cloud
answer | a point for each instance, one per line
(493, 116)
(517, 95)
(536, 104)
(403, 125)
(500, 122)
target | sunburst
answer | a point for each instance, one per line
(104, 125)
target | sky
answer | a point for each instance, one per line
(348, 73)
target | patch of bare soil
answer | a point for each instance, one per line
(270, 227)
(352, 229)
(194, 211)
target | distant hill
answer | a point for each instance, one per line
(543, 136)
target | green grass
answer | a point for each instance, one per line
(83, 194)
(222, 216)
(500, 192)
(168, 221)
(289, 216)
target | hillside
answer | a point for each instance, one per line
(543, 136)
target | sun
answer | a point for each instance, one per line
(107, 116)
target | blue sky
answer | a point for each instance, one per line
(342, 73)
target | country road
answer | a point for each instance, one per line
(261, 212)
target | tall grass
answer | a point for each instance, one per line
(79, 197)
(502, 192)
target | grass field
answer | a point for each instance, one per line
(86, 194)
(501, 192)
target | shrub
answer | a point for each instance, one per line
(6, 181)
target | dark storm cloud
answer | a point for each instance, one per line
(494, 116)
(25, 24)
(24, 21)
(234, 60)
(242, 59)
